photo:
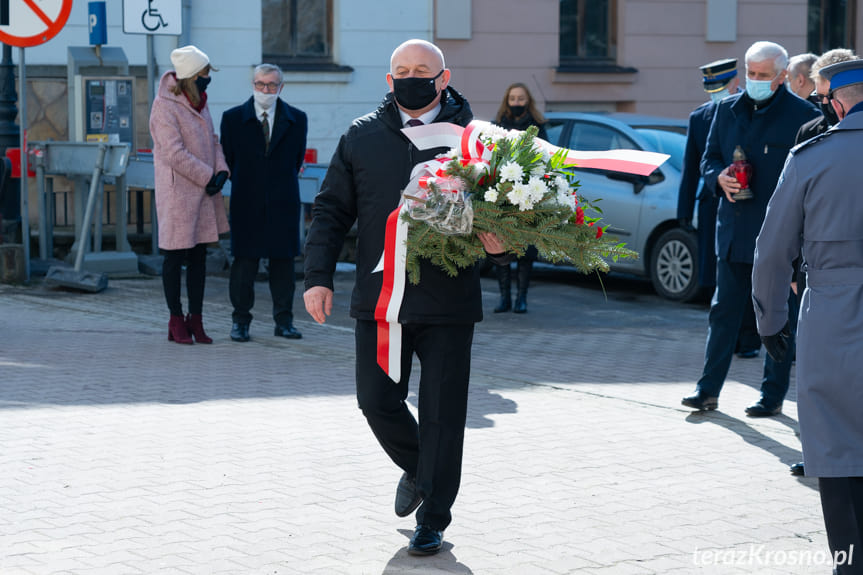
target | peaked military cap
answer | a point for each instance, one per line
(718, 74)
(843, 74)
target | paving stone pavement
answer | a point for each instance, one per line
(122, 453)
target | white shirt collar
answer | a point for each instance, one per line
(426, 118)
(271, 112)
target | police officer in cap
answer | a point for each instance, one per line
(817, 207)
(719, 79)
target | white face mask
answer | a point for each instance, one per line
(717, 96)
(265, 100)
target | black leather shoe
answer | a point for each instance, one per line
(426, 541)
(287, 331)
(407, 497)
(701, 402)
(761, 410)
(240, 332)
(797, 469)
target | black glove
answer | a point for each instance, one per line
(777, 344)
(214, 186)
(686, 224)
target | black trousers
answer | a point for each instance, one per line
(431, 449)
(842, 505)
(196, 274)
(242, 289)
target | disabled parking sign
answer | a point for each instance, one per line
(155, 17)
(26, 23)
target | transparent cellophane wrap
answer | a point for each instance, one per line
(440, 202)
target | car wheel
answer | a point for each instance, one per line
(674, 266)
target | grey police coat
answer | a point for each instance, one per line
(818, 204)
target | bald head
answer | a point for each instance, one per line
(416, 48)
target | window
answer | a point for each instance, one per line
(297, 32)
(588, 32)
(830, 25)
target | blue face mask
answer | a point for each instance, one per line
(717, 96)
(759, 90)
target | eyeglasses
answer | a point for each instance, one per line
(270, 87)
(823, 98)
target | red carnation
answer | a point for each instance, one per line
(579, 216)
(598, 232)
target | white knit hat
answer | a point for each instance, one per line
(188, 61)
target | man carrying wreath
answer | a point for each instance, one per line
(368, 171)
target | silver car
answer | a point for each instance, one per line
(640, 210)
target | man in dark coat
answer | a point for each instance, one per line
(264, 141)
(363, 185)
(763, 122)
(720, 80)
(817, 208)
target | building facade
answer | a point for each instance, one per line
(582, 55)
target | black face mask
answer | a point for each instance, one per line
(202, 82)
(829, 112)
(517, 111)
(415, 93)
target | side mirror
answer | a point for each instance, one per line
(638, 182)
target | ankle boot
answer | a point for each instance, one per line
(504, 281)
(195, 326)
(524, 268)
(177, 330)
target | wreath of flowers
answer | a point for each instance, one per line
(520, 191)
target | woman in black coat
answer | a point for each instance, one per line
(517, 112)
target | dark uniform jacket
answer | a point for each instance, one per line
(817, 207)
(766, 133)
(369, 169)
(696, 141)
(265, 193)
(811, 129)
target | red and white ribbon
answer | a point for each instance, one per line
(467, 141)
(392, 291)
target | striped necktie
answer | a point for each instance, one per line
(265, 126)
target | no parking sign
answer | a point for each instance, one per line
(26, 23)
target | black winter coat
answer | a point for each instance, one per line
(265, 192)
(366, 176)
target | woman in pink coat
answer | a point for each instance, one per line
(190, 171)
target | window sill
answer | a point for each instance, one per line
(309, 72)
(594, 73)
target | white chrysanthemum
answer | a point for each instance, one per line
(536, 189)
(520, 196)
(538, 171)
(490, 195)
(562, 184)
(492, 133)
(452, 153)
(511, 172)
(565, 199)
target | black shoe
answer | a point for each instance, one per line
(761, 410)
(701, 402)
(520, 304)
(287, 331)
(747, 354)
(407, 497)
(240, 332)
(797, 469)
(426, 541)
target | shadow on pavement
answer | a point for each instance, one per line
(443, 562)
(786, 455)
